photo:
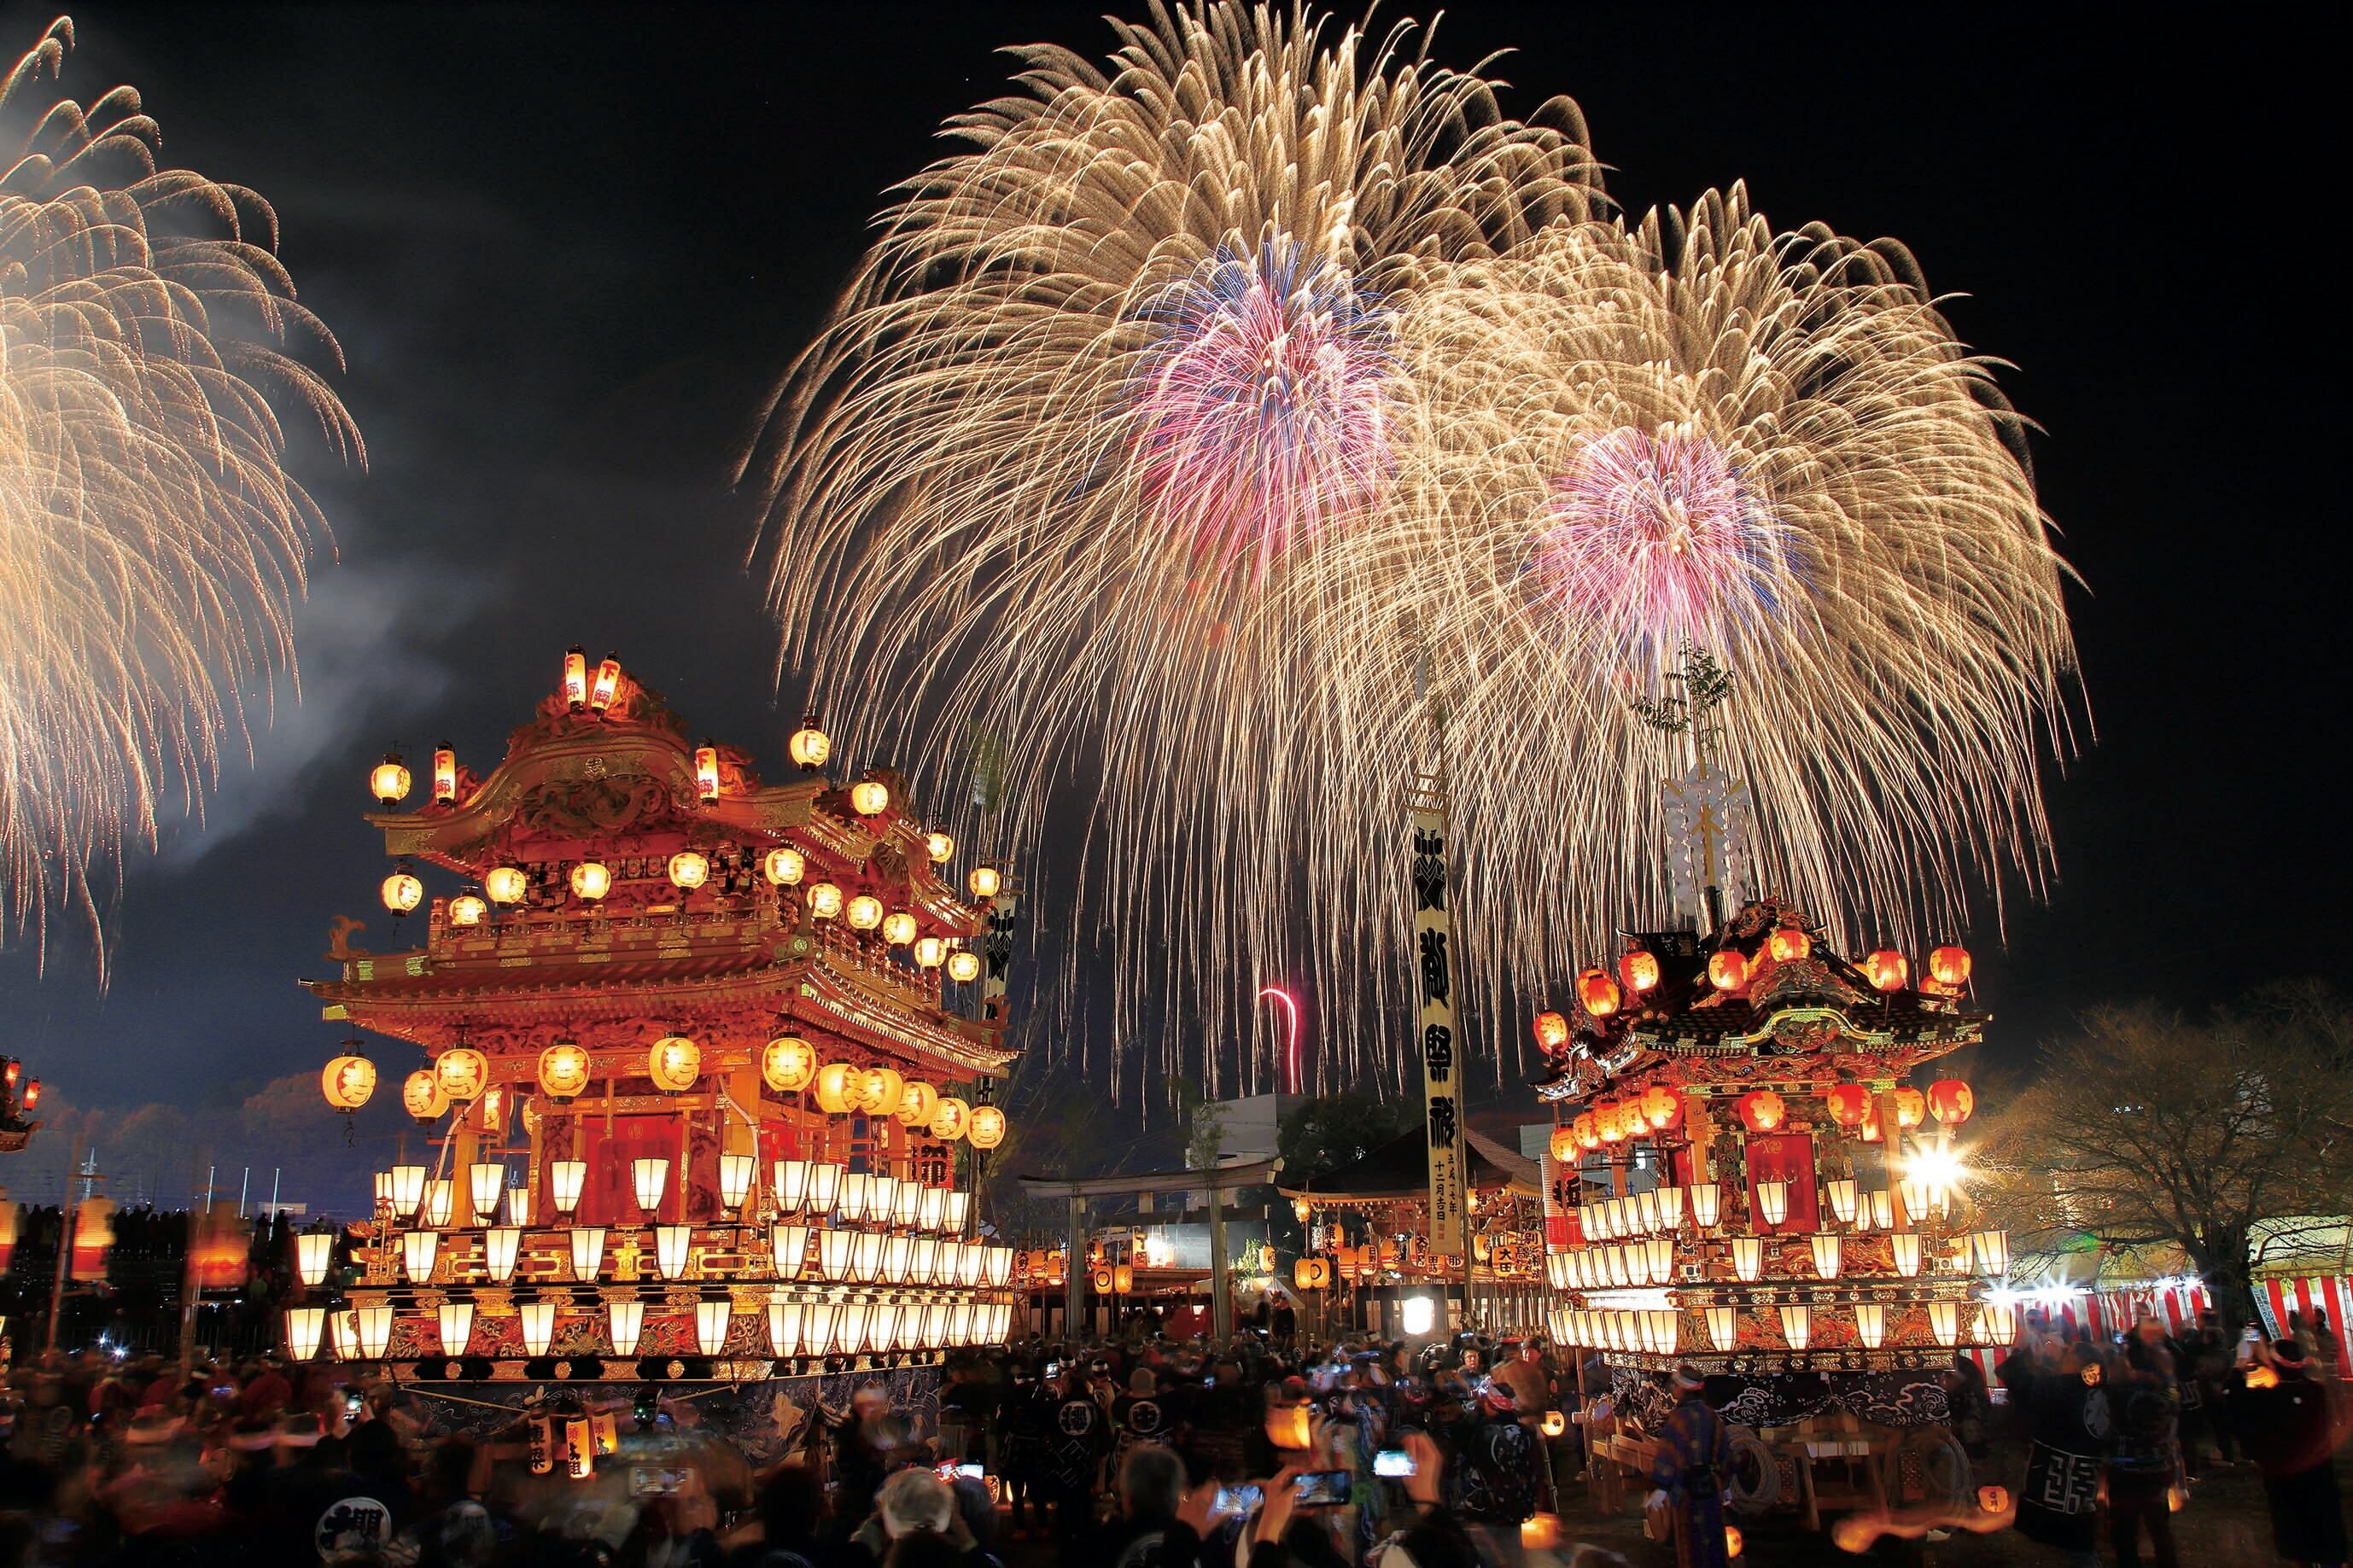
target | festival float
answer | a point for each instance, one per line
(1754, 1186)
(706, 1065)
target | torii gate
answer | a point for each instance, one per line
(1219, 1179)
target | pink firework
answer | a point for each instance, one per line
(1261, 414)
(1656, 538)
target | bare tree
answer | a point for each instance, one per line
(2145, 1127)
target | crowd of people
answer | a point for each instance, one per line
(1143, 1453)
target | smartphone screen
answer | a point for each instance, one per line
(1394, 1463)
(1239, 1500)
(1053, 1369)
(650, 1481)
(1320, 1489)
(971, 1472)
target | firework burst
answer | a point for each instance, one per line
(151, 543)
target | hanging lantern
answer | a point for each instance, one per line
(930, 951)
(1848, 1103)
(445, 774)
(1950, 966)
(461, 1073)
(1911, 1109)
(788, 1064)
(389, 781)
(563, 1071)
(1842, 1194)
(1638, 970)
(591, 879)
(1788, 944)
(985, 881)
(1950, 1101)
(942, 847)
(1994, 1499)
(870, 797)
(402, 892)
(1888, 970)
(918, 1104)
(988, 1127)
(809, 746)
(505, 884)
(836, 1082)
(963, 967)
(674, 1063)
(1663, 1107)
(1552, 1031)
(1871, 1324)
(1733, 1543)
(898, 928)
(1761, 1111)
(1824, 1245)
(1796, 1326)
(1587, 1132)
(565, 1179)
(1707, 1202)
(607, 684)
(1540, 1532)
(348, 1082)
(1773, 1200)
(1596, 993)
(1906, 1244)
(1605, 1121)
(1727, 969)
(467, 910)
(706, 772)
(952, 1121)
(649, 1178)
(576, 676)
(689, 869)
(783, 868)
(1563, 1146)
(824, 900)
(1312, 1273)
(878, 1091)
(865, 912)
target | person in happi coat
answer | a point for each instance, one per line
(2060, 1389)
(2291, 1429)
(1694, 1460)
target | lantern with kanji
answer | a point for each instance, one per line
(1587, 1131)
(563, 1071)
(421, 1096)
(1950, 965)
(348, 1082)
(1762, 1110)
(1638, 970)
(1596, 993)
(1663, 1107)
(1911, 1109)
(1789, 944)
(1727, 969)
(1950, 1101)
(1552, 1031)
(1887, 969)
(788, 1064)
(1563, 1146)
(461, 1073)
(1848, 1103)
(674, 1063)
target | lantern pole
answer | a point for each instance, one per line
(64, 1241)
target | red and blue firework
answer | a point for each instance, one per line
(1655, 538)
(1261, 414)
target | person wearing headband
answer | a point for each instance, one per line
(1688, 1475)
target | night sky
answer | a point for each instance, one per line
(566, 250)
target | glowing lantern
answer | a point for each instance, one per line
(461, 1074)
(898, 928)
(1587, 1132)
(302, 1327)
(942, 847)
(1540, 1532)
(444, 773)
(389, 781)
(591, 879)
(836, 1083)
(1596, 993)
(1994, 1499)
(2262, 1376)
(1728, 970)
(689, 869)
(1945, 1322)
(809, 746)
(537, 1320)
(1707, 1204)
(1732, 1541)
(1663, 1107)
(870, 797)
(931, 952)
(1825, 1246)
(1552, 1031)
(963, 967)
(1911, 1109)
(984, 881)
(1848, 1103)
(607, 684)
(563, 1071)
(506, 885)
(1906, 1247)
(348, 1082)
(953, 1120)
(313, 1253)
(824, 900)
(402, 892)
(674, 1064)
(1871, 1324)
(1554, 1423)
(988, 1127)
(1950, 1101)
(499, 1244)
(918, 1104)
(710, 1318)
(576, 676)
(1797, 1325)
(1788, 944)
(878, 1091)
(1638, 970)
(1563, 1146)
(467, 910)
(865, 912)
(1605, 1121)
(1888, 970)
(1842, 1196)
(1950, 966)
(1773, 1200)
(788, 1064)
(1312, 1273)
(1761, 1111)
(648, 1179)
(706, 772)
(783, 868)
(566, 1178)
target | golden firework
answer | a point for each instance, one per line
(151, 543)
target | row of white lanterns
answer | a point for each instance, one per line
(795, 1328)
(1651, 1261)
(841, 1257)
(818, 1187)
(1662, 1208)
(1659, 1330)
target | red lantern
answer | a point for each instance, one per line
(1639, 970)
(1597, 993)
(1911, 1109)
(1950, 965)
(1788, 944)
(1849, 1102)
(1563, 1146)
(1605, 1120)
(1950, 1101)
(1761, 1111)
(1663, 1107)
(1728, 970)
(1589, 1134)
(1552, 1031)
(1888, 970)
